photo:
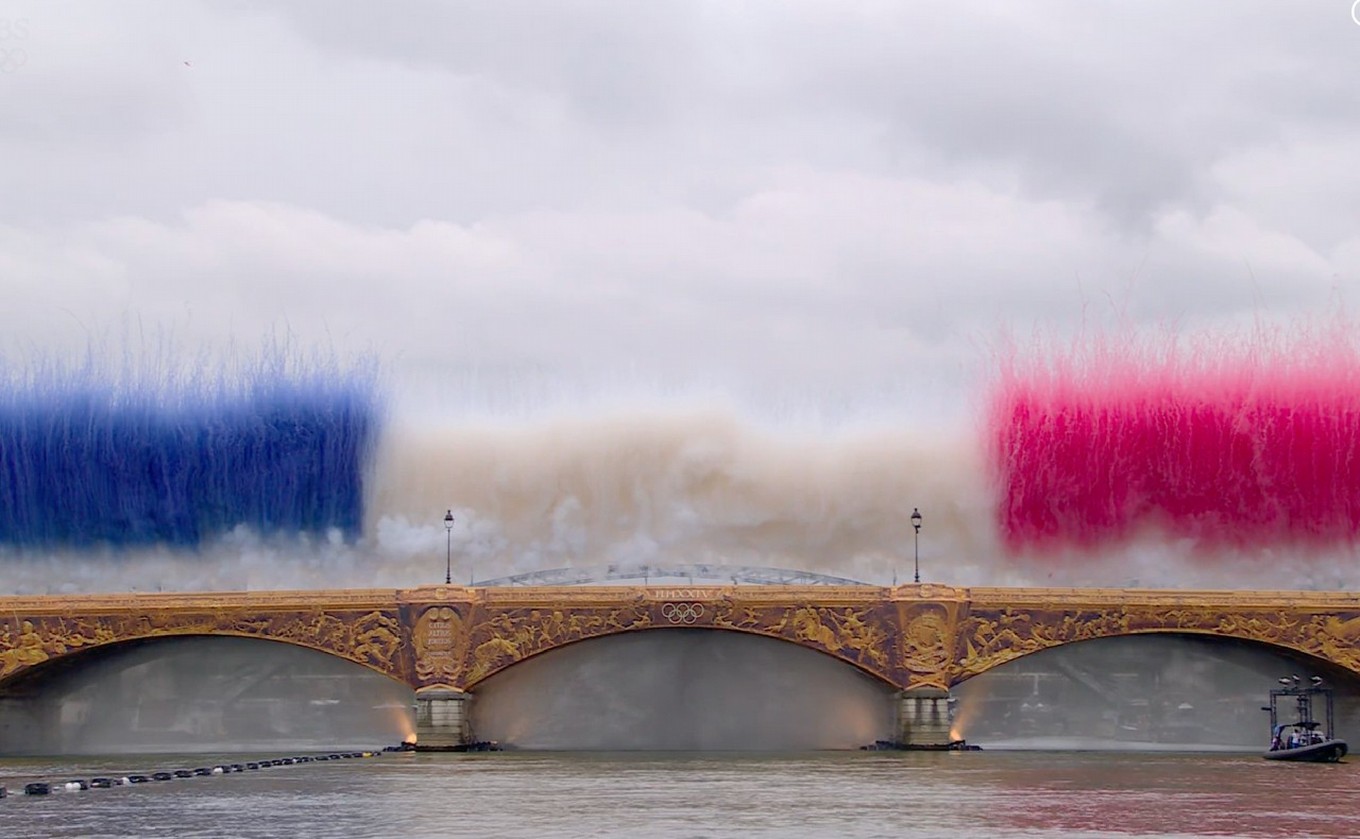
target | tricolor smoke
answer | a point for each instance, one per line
(1119, 462)
(167, 454)
(1228, 444)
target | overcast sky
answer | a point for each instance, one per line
(825, 204)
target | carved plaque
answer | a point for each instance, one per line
(439, 645)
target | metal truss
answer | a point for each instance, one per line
(735, 574)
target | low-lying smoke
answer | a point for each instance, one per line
(1139, 692)
(205, 695)
(672, 689)
(680, 689)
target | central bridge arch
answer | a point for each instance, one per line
(689, 689)
(461, 644)
(501, 653)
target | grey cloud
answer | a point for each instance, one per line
(779, 199)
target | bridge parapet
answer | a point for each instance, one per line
(915, 636)
(460, 644)
(1000, 625)
(363, 626)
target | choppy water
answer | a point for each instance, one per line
(658, 795)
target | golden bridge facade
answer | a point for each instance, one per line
(442, 641)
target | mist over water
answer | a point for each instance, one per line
(1141, 692)
(679, 689)
(200, 695)
(670, 689)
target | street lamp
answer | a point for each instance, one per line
(916, 524)
(448, 548)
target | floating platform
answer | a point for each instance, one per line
(893, 746)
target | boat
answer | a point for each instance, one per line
(1306, 739)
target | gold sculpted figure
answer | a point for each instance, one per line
(27, 651)
(377, 637)
(943, 635)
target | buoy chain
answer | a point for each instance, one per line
(132, 779)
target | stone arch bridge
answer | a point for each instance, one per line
(921, 639)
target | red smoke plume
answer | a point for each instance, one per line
(1243, 443)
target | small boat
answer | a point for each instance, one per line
(1306, 740)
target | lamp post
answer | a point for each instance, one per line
(448, 547)
(916, 525)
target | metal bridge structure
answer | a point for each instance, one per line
(707, 572)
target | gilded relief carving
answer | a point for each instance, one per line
(909, 636)
(992, 638)
(853, 633)
(517, 633)
(372, 638)
(989, 642)
(1335, 638)
(926, 648)
(440, 642)
(856, 633)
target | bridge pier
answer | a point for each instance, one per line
(923, 718)
(442, 723)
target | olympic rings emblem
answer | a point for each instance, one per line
(12, 59)
(682, 612)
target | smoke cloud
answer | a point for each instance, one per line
(683, 690)
(204, 695)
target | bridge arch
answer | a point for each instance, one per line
(191, 692)
(460, 644)
(691, 689)
(1319, 662)
(79, 656)
(498, 655)
(373, 638)
(1159, 689)
(988, 638)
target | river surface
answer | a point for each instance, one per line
(657, 795)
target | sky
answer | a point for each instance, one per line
(816, 213)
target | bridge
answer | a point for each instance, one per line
(443, 640)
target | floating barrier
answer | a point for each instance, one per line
(105, 782)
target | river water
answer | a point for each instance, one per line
(711, 794)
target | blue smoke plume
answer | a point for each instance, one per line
(176, 454)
